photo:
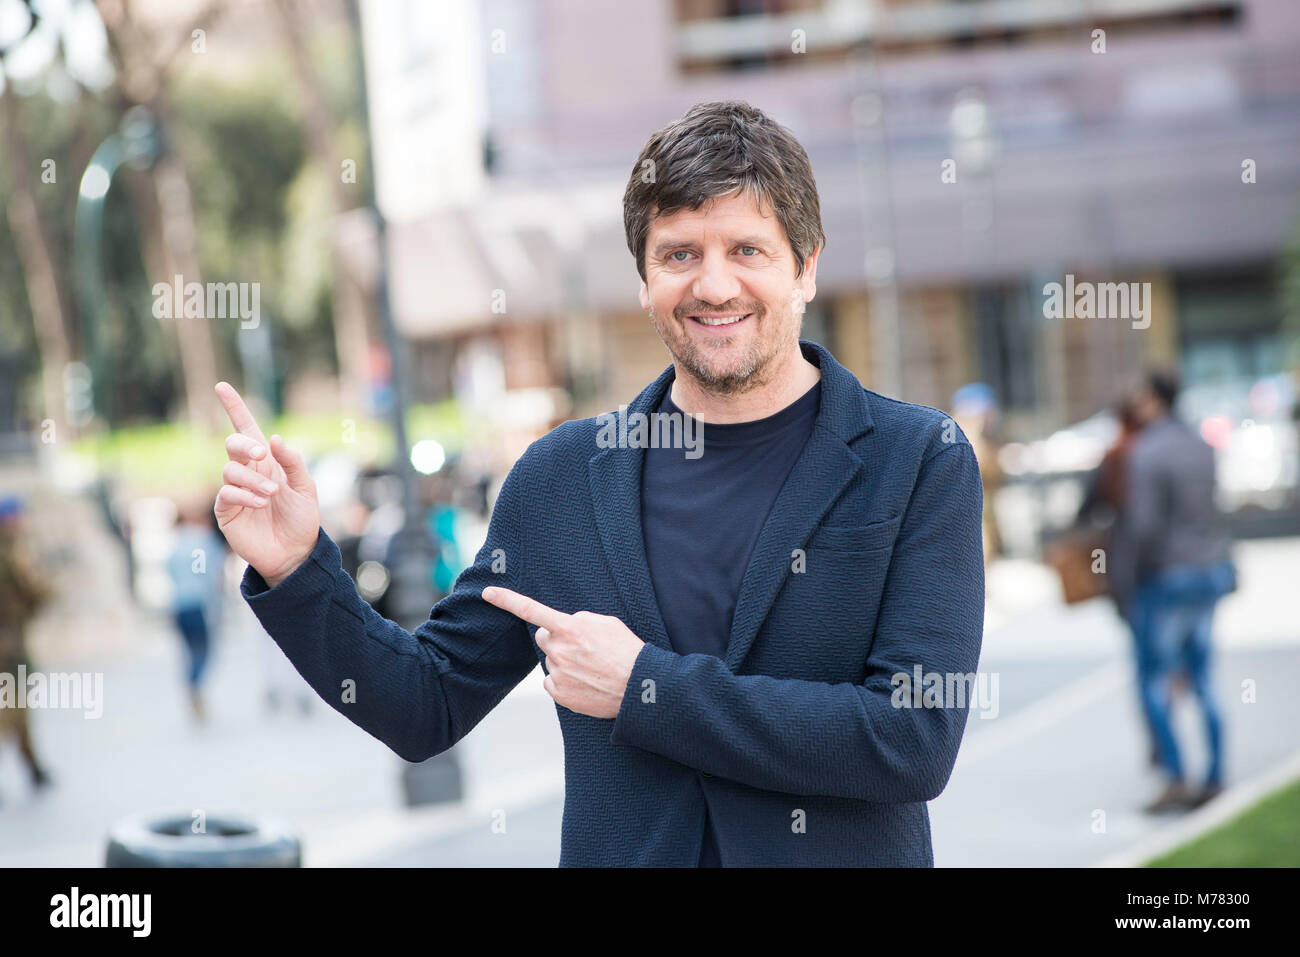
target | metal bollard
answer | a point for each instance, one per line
(435, 780)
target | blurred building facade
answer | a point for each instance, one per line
(1164, 150)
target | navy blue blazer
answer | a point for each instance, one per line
(868, 565)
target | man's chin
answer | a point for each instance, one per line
(722, 377)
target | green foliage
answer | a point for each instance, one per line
(65, 133)
(242, 148)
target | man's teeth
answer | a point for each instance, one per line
(719, 320)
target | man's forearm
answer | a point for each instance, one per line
(795, 736)
(366, 667)
(420, 692)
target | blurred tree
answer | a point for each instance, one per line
(42, 266)
(43, 269)
(166, 210)
(351, 299)
(261, 209)
(60, 144)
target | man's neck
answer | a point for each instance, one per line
(786, 383)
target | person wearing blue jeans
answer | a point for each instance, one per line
(195, 567)
(1175, 616)
(193, 626)
(1181, 566)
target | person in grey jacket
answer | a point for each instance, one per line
(1182, 566)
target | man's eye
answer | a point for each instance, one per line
(754, 248)
(675, 253)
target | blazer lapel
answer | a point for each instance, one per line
(820, 474)
(823, 470)
(614, 477)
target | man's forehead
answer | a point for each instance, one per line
(735, 210)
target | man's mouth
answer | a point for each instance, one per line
(721, 320)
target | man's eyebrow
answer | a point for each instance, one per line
(671, 244)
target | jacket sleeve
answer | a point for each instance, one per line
(419, 693)
(843, 740)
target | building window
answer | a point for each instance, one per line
(722, 35)
(1229, 328)
(735, 35)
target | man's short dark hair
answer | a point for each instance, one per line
(1164, 384)
(713, 150)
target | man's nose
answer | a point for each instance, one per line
(715, 283)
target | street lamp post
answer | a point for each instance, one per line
(413, 587)
(438, 778)
(137, 144)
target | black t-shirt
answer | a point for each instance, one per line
(701, 517)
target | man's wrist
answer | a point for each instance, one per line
(286, 571)
(273, 580)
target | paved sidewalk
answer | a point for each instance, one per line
(318, 772)
(1060, 777)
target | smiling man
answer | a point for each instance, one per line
(723, 633)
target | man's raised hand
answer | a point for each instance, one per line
(267, 504)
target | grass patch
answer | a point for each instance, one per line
(1266, 835)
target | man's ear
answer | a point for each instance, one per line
(644, 296)
(808, 280)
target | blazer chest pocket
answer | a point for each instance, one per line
(823, 623)
(855, 538)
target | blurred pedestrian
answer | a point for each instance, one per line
(1105, 504)
(117, 521)
(196, 567)
(22, 593)
(443, 519)
(1182, 567)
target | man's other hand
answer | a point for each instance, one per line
(589, 657)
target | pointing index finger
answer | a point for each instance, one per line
(521, 606)
(240, 417)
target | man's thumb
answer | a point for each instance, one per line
(295, 468)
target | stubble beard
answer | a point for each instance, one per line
(753, 372)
